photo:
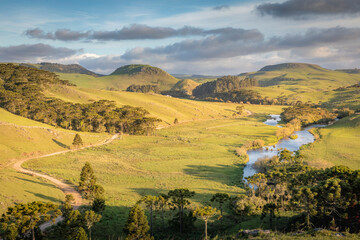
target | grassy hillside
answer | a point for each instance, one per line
(61, 68)
(186, 86)
(123, 77)
(198, 155)
(163, 107)
(298, 81)
(338, 145)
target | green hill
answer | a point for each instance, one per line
(185, 86)
(123, 77)
(62, 68)
(301, 82)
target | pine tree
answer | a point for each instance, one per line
(77, 140)
(137, 226)
(90, 219)
(87, 180)
(221, 198)
(81, 234)
(205, 213)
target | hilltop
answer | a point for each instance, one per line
(123, 77)
(291, 67)
(291, 82)
(183, 88)
(62, 68)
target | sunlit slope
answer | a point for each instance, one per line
(123, 77)
(299, 81)
(21, 138)
(339, 144)
(163, 107)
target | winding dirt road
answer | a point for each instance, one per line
(63, 186)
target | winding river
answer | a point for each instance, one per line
(304, 137)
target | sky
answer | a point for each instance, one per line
(210, 37)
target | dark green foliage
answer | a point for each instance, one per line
(143, 88)
(179, 200)
(87, 183)
(137, 226)
(24, 218)
(98, 205)
(21, 94)
(77, 140)
(223, 84)
(307, 114)
(81, 234)
(220, 198)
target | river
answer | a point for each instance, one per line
(304, 137)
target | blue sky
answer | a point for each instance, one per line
(198, 37)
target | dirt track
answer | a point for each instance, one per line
(63, 186)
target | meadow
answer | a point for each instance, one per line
(338, 145)
(199, 155)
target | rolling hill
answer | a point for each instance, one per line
(301, 81)
(123, 77)
(62, 68)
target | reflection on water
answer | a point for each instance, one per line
(304, 137)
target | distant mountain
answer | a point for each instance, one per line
(351, 71)
(194, 76)
(61, 68)
(292, 67)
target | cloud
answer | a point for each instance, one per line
(305, 8)
(221, 7)
(133, 32)
(34, 52)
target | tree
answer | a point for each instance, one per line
(23, 218)
(91, 218)
(150, 202)
(162, 202)
(220, 198)
(87, 180)
(81, 234)
(77, 140)
(137, 226)
(205, 213)
(271, 209)
(179, 199)
(305, 199)
(98, 205)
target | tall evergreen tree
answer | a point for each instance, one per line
(77, 140)
(137, 226)
(81, 234)
(179, 199)
(205, 213)
(87, 180)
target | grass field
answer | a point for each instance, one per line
(118, 82)
(198, 155)
(339, 145)
(23, 138)
(163, 107)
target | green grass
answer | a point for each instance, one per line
(118, 82)
(198, 155)
(338, 145)
(163, 107)
(18, 187)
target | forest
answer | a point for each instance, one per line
(21, 93)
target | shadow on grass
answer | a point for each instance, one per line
(61, 144)
(45, 197)
(226, 174)
(36, 182)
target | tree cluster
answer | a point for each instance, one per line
(21, 93)
(307, 114)
(321, 197)
(143, 88)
